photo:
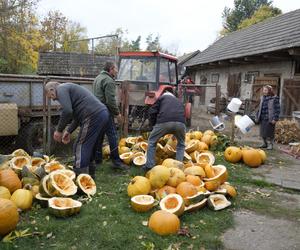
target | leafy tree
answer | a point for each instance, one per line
(153, 43)
(73, 38)
(263, 13)
(135, 44)
(110, 45)
(19, 36)
(243, 9)
(54, 26)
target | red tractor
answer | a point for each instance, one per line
(148, 74)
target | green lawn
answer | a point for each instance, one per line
(108, 222)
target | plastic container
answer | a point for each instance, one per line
(217, 124)
(244, 124)
(234, 105)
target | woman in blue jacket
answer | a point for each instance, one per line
(267, 116)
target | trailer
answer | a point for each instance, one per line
(27, 118)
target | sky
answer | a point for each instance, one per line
(182, 25)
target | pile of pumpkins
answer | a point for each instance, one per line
(180, 187)
(252, 157)
(133, 150)
(24, 179)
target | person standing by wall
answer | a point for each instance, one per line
(104, 89)
(267, 116)
(81, 107)
(167, 117)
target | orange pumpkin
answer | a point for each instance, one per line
(193, 179)
(165, 190)
(9, 216)
(164, 223)
(186, 189)
(233, 154)
(251, 157)
(9, 179)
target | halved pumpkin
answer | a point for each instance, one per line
(192, 146)
(43, 201)
(230, 190)
(86, 184)
(43, 189)
(130, 141)
(196, 198)
(67, 172)
(64, 207)
(52, 166)
(218, 202)
(220, 177)
(20, 152)
(140, 160)
(164, 191)
(60, 184)
(144, 146)
(196, 206)
(205, 158)
(126, 157)
(142, 203)
(169, 150)
(37, 161)
(17, 163)
(172, 203)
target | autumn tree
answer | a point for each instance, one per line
(53, 28)
(19, 36)
(243, 9)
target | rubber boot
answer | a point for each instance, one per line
(265, 143)
(270, 145)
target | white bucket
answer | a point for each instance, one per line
(244, 124)
(217, 124)
(234, 105)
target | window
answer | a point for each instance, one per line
(137, 69)
(167, 73)
(215, 78)
(250, 76)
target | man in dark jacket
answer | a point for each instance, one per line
(167, 114)
(104, 88)
(81, 107)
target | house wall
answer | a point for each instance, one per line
(284, 69)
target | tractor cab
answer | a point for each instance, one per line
(147, 74)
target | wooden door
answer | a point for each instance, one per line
(234, 85)
(291, 100)
(257, 86)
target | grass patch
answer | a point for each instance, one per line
(108, 222)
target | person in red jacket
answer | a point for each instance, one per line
(167, 117)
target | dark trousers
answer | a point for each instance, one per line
(85, 146)
(112, 136)
(161, 129)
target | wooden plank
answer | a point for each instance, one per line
(291, 98)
